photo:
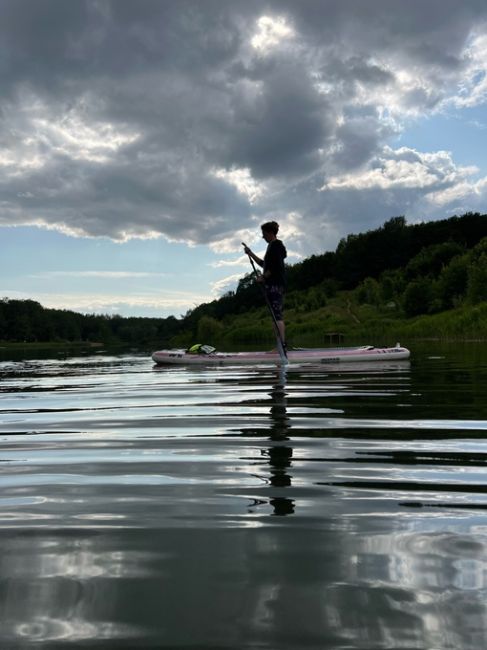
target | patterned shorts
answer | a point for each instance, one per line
(275, 296)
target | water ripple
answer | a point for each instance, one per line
(322, 507)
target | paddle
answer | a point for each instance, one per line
(280, 343)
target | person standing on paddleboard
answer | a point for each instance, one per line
(273, 272)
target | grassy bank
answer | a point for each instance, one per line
(340, 321)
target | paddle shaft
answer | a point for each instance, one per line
(281, 347)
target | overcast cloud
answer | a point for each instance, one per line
(199, 119)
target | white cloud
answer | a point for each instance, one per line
(226, 284)
(233, 241)
(270, 32)
(41, 132)
(242, 261)
(76, 139)
(242, 180)
(455, 193)
(472, 89)
(402, 169)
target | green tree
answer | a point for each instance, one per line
(369, 292)
(477, 280)
(432, 259)
(452, 282)
(209, 329)
(392, 284)
(418, 297)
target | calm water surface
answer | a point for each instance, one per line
(338, 507)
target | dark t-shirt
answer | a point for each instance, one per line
(274, 263)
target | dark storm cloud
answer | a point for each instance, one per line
(122, 118)
(280, 131)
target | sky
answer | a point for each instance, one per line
(141, 141)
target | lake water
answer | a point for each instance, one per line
(323, 507)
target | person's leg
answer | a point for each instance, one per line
(275, 296)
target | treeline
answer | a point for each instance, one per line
(27, 320)
(408, 269)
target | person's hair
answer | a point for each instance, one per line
(270, 226)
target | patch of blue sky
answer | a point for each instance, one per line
(144, 277)
(462, 132)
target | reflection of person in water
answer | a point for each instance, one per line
(280, 454)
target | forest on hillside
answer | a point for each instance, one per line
(399, 269)
(417, 269)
